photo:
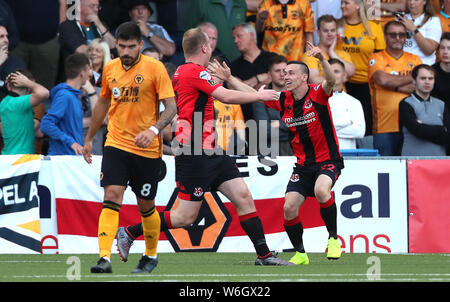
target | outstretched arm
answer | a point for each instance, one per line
(231, 96)
(316, 52)
(223, 73)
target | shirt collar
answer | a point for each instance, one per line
(420, 98)
(289, 2)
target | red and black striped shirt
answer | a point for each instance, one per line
(193, 86)
(311, 130)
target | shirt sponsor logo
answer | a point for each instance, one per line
(302, 120)
(286, 28)
(127, 94)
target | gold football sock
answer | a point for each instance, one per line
(107, 227)
(151, 224)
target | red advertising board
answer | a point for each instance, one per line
(429, 206)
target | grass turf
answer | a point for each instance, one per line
(230, 267)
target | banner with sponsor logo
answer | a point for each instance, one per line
(370, 197)
(429, 206)
(19, 204)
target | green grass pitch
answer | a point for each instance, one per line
(230, 267)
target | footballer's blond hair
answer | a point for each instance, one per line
(193, 39)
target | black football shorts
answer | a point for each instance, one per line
(197, 174)
(303, 178)
(123, 168)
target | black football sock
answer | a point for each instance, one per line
(294, 230)
(328, 211)
(135, 230)
(253, 227)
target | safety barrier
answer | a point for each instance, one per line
(385, 205)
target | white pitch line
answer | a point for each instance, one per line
(31, 261)
(155, 276)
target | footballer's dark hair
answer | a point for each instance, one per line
(128, 31)
(303, 67)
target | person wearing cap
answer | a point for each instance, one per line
(153, 35)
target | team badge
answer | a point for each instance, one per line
(116, 92)
(308, 104)
(138, 79)
(295, 177)
(198, 191)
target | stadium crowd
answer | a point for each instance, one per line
(47, 94)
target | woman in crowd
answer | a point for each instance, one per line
(424, 30)
(359, 37)
(99, 54)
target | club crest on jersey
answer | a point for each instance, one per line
(116, 92)
(308, 104)
(295, 177)
(138, 79)
(198, 191)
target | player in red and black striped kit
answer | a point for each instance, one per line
(304, 109)
(198, 167)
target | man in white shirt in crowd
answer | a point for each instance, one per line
(347, 112)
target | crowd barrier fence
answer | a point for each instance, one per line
(385, 205)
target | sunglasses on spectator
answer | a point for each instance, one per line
(395, 35)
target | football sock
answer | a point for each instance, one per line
(294, 230)
(328, 211)
(107, 227)
(135, 230)
(253, 227)
(151, 225)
